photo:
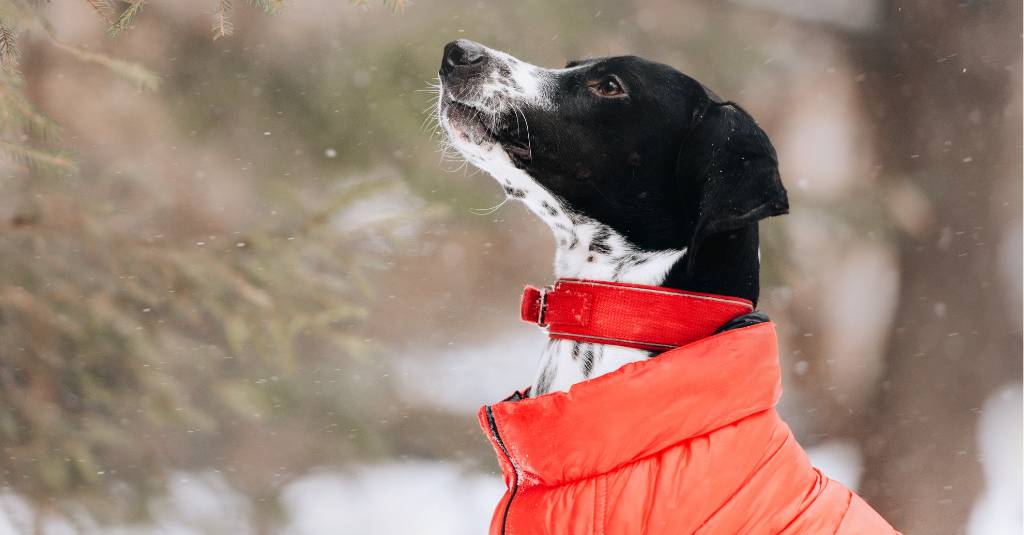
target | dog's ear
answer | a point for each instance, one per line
(729, 172)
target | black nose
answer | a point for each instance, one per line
(463, 57)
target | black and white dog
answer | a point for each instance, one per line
(643, 174)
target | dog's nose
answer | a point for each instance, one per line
(463, 57)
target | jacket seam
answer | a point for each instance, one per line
(849, 505)
(601, 508)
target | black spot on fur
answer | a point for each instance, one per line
(619, 266)
(588, 361)
(551, 209)
(600, 247)
(546, 377)
(575, 241)
(599, 244)
(515, 192)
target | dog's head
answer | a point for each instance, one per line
(634, 145)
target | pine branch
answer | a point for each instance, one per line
(104, 9)
(35, 158)
(126, 17)
(8, 50)
(222, 26)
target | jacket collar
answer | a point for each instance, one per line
(637, 410)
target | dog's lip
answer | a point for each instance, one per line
(450, 101)
(469, 114)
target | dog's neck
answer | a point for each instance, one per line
(585, 248)
(590, 250)
(727, 263)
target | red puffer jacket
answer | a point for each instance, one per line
(688, 442)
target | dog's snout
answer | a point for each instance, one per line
(463, 57)
(463, 53)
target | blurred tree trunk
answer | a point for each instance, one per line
(939, 87)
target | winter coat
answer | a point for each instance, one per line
(688, 442)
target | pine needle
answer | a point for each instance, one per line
(104, 9)
(124, 20)
(138, 75)
(8, 50)
(222, 26)
(270, 6)
(16, 111)
(397, 6)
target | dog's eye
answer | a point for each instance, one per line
(609, 86)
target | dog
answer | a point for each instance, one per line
(643, 174)
(654, 188)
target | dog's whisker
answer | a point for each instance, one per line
(491, 210)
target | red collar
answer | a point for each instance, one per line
(630, 315)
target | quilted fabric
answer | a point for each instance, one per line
(688, 442)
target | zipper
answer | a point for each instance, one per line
(515, 469)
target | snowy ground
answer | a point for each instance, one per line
(390, 499)
(434, 499)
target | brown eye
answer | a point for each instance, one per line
(609, 86)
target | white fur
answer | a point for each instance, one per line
(563, 362)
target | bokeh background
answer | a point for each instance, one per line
(241, 291)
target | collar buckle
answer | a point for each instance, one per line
(542, 307)
(534, 306)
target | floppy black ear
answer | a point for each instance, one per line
(729, 171)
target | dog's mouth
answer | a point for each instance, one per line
(477, 125)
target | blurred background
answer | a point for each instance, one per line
(241, 291)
